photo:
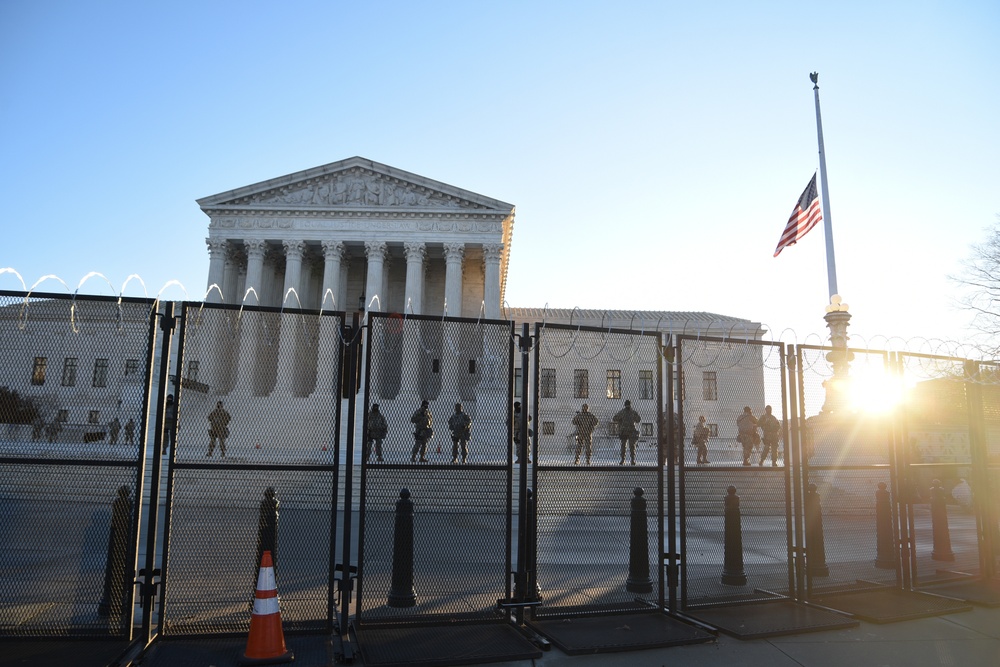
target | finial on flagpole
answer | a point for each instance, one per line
(814, 77)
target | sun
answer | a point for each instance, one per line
(873, 390)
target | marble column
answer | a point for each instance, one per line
(376, 251)
(291, 325)
(491, 279)
(415, 253)
(453, 254)
(216, 269)
(333, 252)
(255, 272)
(231, 277)
(293, 274)
(248, 329)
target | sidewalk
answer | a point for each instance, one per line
(965, 639)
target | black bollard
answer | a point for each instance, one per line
(939, 524)
(114, 600)
(638, 561)
(732, 570)
(267, 532)
(402, 594)
(815, 545)
(884, 542)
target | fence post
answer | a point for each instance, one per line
(732, 570)
(267, 531)
(402, 594)
(939, 524)
(638, 561)
(885, 544)
(815, 545)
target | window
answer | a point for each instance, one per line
(192, 370)
(713, 430)
(647, 430)
(69, 372)
(709, 386)
(94, 417)
(131, 367)
(614, 384)
(645, 384)
(38, 370)
(581, 383)
(100, 373)
(517, 383)
(62, 416)
(548, 388)
(548, 428)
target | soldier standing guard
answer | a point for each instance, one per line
(377, 430)
(585, 423)
(422, 432)
(218, 420)
(627, 420)
(460, 425)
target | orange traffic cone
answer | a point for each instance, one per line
(266, 643)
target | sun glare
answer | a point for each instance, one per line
(872, 390)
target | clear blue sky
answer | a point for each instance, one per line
(654, 150)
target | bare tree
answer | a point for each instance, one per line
(981, 278)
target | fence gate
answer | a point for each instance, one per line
(435, 550)
(71, 475)
(253, 466)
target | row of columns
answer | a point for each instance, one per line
(224, 272)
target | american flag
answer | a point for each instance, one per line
(804, 217)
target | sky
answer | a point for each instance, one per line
(653, 150)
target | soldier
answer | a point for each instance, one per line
(460, 425)
(771, 428)
(130, 431)
(218, 420)
(746, 427)
(627, 421)
(114, 427)
(585, 423)
(422, 432)
(377, 430)
(700, 440)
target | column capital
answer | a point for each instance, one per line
(333, 249)
(492, 252)
(415, 251)
(294, 248)
(375, 249)
(255, 247)
(454, 251)
(217, 246)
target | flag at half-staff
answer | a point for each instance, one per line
(805, 216)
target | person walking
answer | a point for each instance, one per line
(218, 429)
(377, 428)
(627, 421)
(746, 428)
(771, 429)
(460, 425)
(585, 423)
(422, 431)
(700, 440)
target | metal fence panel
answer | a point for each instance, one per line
(74, 378)
(254, 467)
(436, 517)
(848, 446)
(726, 557)
(592, 471)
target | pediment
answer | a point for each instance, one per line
(355, 183)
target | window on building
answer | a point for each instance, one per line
(709, 386)
(100, 373)
(614, 384)
(548, 388)
(517, 383)
(69, 372)
(548, 428)
(94, 417)
(647, 430)
(38, 370)
(646, 384)
(713, 430)
(131, 367)
(192, 370)
(62, 416)
(581, 383)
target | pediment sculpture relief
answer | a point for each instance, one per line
(358, 189)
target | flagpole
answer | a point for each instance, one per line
(831, 263)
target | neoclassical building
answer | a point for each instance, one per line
(328, 236)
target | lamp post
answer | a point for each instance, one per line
(837, 319)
